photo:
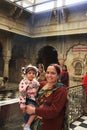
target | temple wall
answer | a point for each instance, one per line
(23, 35)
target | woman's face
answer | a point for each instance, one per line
(40, 69)
(51, 74)
(63, 68)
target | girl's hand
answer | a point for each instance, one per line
(23, 108)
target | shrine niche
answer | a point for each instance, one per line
(78, 65)
(78, 68)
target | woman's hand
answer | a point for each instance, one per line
(30, 109)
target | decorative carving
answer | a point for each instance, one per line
(16, 12)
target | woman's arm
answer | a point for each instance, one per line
(57, 106)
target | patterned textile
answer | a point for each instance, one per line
(27, 89)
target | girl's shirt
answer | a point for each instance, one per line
(27, 89)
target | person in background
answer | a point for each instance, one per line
(64, 76)
(41, 76)
(28, 88)
(84, 82)
(51, 100)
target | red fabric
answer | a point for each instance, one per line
(53, 114)
(42, 83)
(64, 77)
(84, 82)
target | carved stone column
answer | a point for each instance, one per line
(61, 59)
(6, 54)
(6, 66)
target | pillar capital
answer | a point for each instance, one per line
(6, 58)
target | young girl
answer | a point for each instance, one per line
(28, 88)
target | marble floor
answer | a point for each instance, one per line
(79, 124)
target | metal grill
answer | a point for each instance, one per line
(76, 102)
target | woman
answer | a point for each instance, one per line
(52, 100)
(41, 76)
(64, 76)
(84, 82)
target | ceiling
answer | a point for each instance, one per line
(36, 6)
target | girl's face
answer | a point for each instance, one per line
(31, 75)
(51, 75)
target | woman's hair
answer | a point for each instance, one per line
(40, 65)
(64, 67)
(57, 67)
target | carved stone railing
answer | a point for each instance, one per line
(76, 102)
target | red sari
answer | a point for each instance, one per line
(51, 108)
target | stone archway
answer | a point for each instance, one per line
(47, 55)
(76, 63)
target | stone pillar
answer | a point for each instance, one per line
(6, 55)
(61, 59)
(6, 66)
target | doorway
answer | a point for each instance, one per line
(47, 55)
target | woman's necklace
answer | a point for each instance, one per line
(48, 86)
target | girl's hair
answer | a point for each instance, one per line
(57, 67)
(26, 69)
